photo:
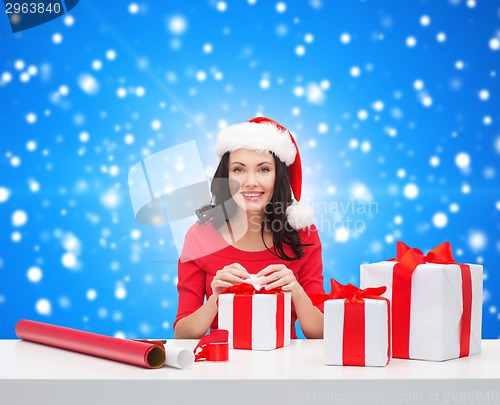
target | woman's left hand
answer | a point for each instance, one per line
(278, 275)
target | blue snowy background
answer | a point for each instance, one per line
(394, 105)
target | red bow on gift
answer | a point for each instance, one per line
(350, 292)
(408, 259)
(249, 289)
(440, 254)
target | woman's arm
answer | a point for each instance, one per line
(194, 326)
(194, 316)
(311, 280)
(309, 316)
(191, 289)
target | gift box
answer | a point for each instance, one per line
(436, 303)
(356, 325)
(255, 319)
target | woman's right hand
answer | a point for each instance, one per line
(231, 274)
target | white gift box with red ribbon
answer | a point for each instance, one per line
(439, 304)
(356, 325)
(347, 347)
(257, 321)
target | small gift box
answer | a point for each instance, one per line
(357, 325)
(436, 303)
(256, 319)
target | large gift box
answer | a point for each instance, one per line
(436, 303)
(256, 319)
(356, 325)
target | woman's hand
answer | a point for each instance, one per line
(232, 274)
(278, 275)
(310, 317)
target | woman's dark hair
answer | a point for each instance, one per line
(223, 208)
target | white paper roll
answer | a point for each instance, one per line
(178, 357)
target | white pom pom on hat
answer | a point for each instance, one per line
(265, 135)
(299, 215)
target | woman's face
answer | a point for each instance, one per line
(255, 172)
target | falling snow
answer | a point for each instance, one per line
(394, 114)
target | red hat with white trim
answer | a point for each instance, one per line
(265, 135)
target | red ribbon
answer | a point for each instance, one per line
(408, 259)
(242, 314)
(213, 347)
(348, 291)
(249, 289)
(353, 342)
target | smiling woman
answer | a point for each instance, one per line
(252, 227)
(254, 175)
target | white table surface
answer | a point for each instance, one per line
(303, 359)
(27, 369)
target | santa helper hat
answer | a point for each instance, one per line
(265, 135)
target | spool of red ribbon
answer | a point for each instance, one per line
(213, 347)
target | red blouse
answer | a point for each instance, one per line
(205, 252)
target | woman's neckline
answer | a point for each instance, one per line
(238, 249)
(248, 251)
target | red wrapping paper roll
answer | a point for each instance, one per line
(142, 354)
